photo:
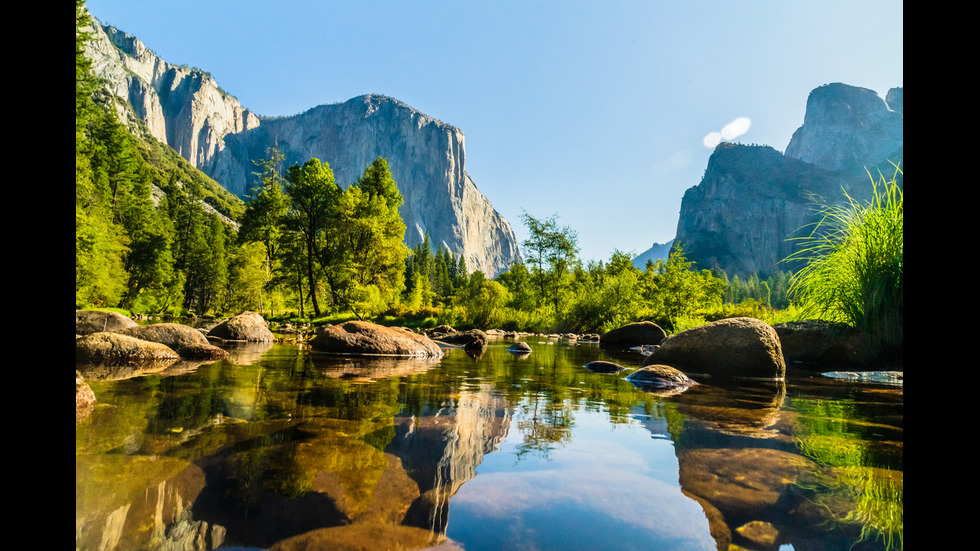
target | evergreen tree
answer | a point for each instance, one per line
(100, 243)
(263, 220)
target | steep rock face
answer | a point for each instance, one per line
(186, 109)
(748, 203)
(753, 199)
(426, 157)
(846, 126)
(181, 107)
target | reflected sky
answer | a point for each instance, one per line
(606, 485)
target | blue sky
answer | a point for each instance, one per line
(597, 112)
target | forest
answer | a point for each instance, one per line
(155, 237)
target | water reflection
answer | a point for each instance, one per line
(279, 448)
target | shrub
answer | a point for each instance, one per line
(855, 264)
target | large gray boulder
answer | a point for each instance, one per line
(105, 348)
(174, 335)
(633, 334)
(816, 344)
(247, 326)
(365, 338)
(734, 347)
(95, 321)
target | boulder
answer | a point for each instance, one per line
(247, 326)
(600, 366)
(115, 349)
(819, 344)
(659, 376)
(734, 347)
(361, 337)
(472, 339)
(174, 335)
(520, 347)
(95, 321)
(634, 334)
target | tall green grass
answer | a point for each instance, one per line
(855, 264)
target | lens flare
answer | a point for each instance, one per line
(730, 131)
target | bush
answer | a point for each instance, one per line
(855, 264)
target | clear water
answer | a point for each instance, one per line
(278, 448)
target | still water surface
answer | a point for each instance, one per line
(278, 448)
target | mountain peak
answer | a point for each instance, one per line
(847, 126)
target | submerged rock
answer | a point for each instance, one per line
(600, 366)
(84, 399)
(206, 351)
(361, 337)
(660, 376)
(734, 347)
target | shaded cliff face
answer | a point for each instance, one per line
(748, 203)
(753, 199)
(186, 109)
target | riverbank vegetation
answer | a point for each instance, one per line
(854, 265)
(154, 236)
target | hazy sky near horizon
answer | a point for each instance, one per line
(602, 113)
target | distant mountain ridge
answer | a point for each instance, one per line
(186, 109)
(752, 198)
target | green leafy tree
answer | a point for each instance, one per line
(553, 252)
(675, 291)
(364, 253)
(313, 196)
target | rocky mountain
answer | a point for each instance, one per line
(753, 199)
(186, 109)
(658, 251)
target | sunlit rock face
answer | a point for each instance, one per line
(182, 107)
(186, 109)
(753, 200)
(427, 159)
(847, 126)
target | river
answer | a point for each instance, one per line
(279, 448)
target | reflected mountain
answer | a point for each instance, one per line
(739, 454)
(441, 449)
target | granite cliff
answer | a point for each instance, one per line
(753, 198)
(427, 159)
(187, 110)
